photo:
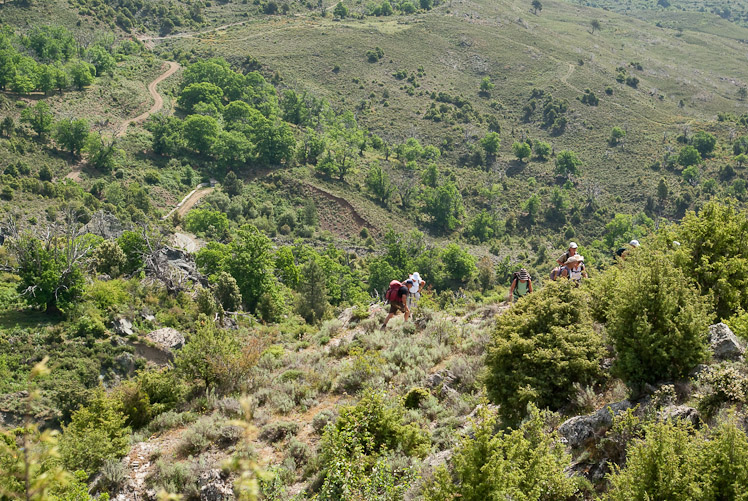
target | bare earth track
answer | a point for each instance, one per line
(158, 104)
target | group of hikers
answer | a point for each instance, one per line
(403, 296)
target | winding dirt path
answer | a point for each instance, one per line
(158, 104)
(158, 100)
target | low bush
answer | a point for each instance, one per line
(719, 385)
(540, 348)
(278, 431)
(527, 463)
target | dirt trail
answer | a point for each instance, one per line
(158, 100)
(146, 38)
(158, 103)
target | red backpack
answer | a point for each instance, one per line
(391, 295)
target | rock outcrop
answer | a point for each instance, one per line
(725, 344)
(105, 225)
(122, 327)
(167, 338)
(580, 429)
(215, 486)
(680, 412)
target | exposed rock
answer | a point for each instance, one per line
(167, 338)
(175, 268)
(105, 225)
(13, 409)
(122, 327)
(437, 379)
(438, 459)
(680, 412)
(124, 364)
(117, 341)
(594, 472)
(725, 345)
(214, 486)
(147, 315)
(579, 429)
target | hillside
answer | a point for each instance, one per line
(203, 205)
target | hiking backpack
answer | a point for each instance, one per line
(391, 295)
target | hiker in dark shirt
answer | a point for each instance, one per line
(397, 296)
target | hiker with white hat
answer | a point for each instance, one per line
(573, 269)
(521, 285)
(566, 255)
(417, 283)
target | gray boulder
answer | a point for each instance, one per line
(175, 268)
(440, 379)
(215, 486)
(122, 327)
(167, 338)
(105, 225)
(579, 429)
(680, 412)
(725, 344)
(124, 364)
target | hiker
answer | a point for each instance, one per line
(413, 291)
(521, 285)
(573, 269)
(566, 255)
(623, 250)
(397, 297)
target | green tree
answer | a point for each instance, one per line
(95, 434)
(378, 183)
(595, 25)
(251, 264)
(662, 190)
(232, 150)
(444, 205)
(312, 303)
(521, 150)
(567, 164)
(274, 142)
(385, 9)
(72, 135)
(704, 142)
(691, 174)
(616, 136)
(51, 272)
(340, 11)
(102, 60)
(201, 92)
(536, 6)
(543, 150)
(40, 118)
(82, 73)
(527, 463)
(134, 246)
(486, 86)
(459, 263)
(232, 185)
(103, 153)
(109, 258)
(689, 156)
(201, 132)
(657, 320)
(227, 292)
(532, 207)
(540, 348)
(491, 143)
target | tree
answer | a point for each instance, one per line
(232, 149)
(232, 185)
(386, 9)
(657, 320)
(201, 92)
(227, 292)
(200, 132)
(567, 164)
(82, 73)
(742, 93)
(689, 156)
(543, 150)
(741, 159)
(595, 25)
(616, 136)
(340, 11)
(532, 206)
(251, 264)
(312, 303)
(109, 259)
(274, 142)
(444, 206)
(536, 6)
(704, 142)
(458, 262)
(691, 174)
(167, 134)
(103, 153)
(662, 190)
(426, 4)
(378, 183)
(521, 150)
(72, 135)
(486, 86)
(540, 348)
(491, 143)
(102, 60)
(40, 118)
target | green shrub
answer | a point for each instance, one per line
(109, 258)
(279, 430)
(414, 397)
(355, 450)
(540, 348)
(718, 385)
(657, 321)
(527, 463)
(199, 436)
(714, 254)
(107, 294)
(95, 434)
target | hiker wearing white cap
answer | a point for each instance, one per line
(566, 255)
(623, 250)
(417, 283)
(573, 269)
(521, 285)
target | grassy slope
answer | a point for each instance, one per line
(460, 43)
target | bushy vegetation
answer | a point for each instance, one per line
(540, 349)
